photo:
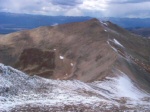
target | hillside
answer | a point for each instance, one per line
(97, 53)
(83, 51)
(145, 32)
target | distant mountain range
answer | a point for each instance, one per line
(11, 22)
(130, 23)
(140, 26)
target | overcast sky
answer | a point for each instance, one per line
(94, 8)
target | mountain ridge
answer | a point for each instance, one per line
(86, 51)
(90, 66)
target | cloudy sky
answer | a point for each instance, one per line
(94, 8)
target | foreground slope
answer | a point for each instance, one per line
(87, 51)
(21, 92)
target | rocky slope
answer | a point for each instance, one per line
(21, 92)
(36, 61)
(88, 51)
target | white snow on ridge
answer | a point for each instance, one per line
(55, 24)
(118, 43)
(71, 64)
(61, 57)
(112, 46)
(121, 86)
(105, 24)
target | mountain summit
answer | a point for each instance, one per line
(103, 55)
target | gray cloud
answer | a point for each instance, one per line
(140, 9)
(66, 2)
(127, 1)
(94, 8)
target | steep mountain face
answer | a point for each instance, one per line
(86, 51)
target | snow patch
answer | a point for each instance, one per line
(112, 47)
(105, 24)
(61, 57)
(117, 42)
(55, 24)
(105, 30)
(120, 86)
(71, 64)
